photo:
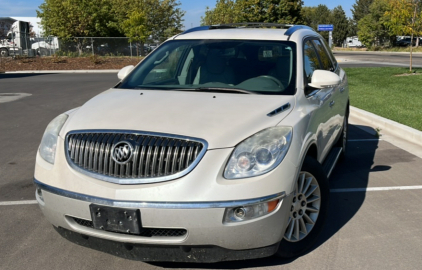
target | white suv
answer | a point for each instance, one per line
(217, 146)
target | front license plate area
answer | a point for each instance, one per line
(116, 219)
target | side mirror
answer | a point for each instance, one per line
(324, 79)
(124, 72)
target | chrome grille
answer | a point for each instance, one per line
(154, 158)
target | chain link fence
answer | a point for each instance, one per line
(26, 45)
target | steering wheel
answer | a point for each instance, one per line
(274, 79)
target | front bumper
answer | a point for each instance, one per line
(161, 253)
(207, 239)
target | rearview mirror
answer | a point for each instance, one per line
(324, 79)
(124, 72)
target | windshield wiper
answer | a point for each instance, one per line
(152, 87)
(200, 89)
(220, 89)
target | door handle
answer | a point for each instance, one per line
(332, 103)
(342, 89)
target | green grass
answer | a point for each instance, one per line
(380, 49)
(379, 91)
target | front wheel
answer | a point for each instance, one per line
(308, 210)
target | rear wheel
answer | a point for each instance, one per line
(308, 210)
(4, 52)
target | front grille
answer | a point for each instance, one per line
(153, 157)
(145, 232)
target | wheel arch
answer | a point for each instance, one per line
(312, 151)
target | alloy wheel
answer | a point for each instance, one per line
(305, 208)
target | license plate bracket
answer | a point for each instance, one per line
(114, 219)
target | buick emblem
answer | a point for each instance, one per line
(122, 152)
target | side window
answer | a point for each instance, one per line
(311, 62)
(330, 53)
(323, 55)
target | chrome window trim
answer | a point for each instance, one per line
(163, 205)
(132, 181)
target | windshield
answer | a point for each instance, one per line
(240, 66)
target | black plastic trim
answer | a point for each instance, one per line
(169, 253)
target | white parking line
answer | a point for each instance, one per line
(338, 190)
(19, 202)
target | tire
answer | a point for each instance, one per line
(342, 140)
(292, 246)
(44, 52)
(4, 52)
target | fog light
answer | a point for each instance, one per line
(243, 213)
(240, 212)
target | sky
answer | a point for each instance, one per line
(194, 8)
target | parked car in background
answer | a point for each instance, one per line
(405, 42)
(217, 146)
(353, 42)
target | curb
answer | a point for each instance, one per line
(376, 52)
(64, 71)
(394, 128)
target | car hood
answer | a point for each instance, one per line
(222, 119)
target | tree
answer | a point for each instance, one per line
(270, 11)
(341, 25)
(361, 9)
(312, 16)
(308, 17)
(225, 11)
(160, 19)
(404, 17)
(77, 18)
(134, 27)
(67, 19)
(372, 29)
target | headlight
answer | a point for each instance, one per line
(49, 139)
(259, 154)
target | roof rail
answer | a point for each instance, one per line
(294, 28)
(199, 28)
(291, 28)
(251, 25)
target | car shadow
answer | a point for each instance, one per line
(352, 172)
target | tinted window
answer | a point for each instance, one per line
(265, 67)
(325, 59)
(311, 61)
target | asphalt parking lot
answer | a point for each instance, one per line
(375, 210)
